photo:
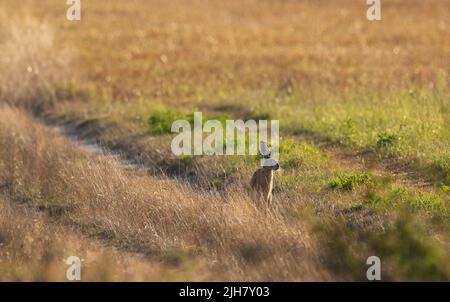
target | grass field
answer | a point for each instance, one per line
(364, 109)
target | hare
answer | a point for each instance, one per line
(261, 184)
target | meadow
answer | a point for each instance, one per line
(364, 109)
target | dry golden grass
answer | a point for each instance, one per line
(184, 51)
(317, 65)
(34, 247)
(158, 217)
(33, 68)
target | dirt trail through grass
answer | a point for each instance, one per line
(379, 91)
(340, 208)
(165, 220)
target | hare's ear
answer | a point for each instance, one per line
(264, 149)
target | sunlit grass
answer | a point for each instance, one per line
(320, 68)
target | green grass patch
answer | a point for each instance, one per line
(300, 155)
(386, 140)
(349, 182)
(410, 124)
(433, 202)
(444, 187)
(160, 121)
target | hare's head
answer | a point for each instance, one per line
(268, 162)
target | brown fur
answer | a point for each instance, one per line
(261, 185)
